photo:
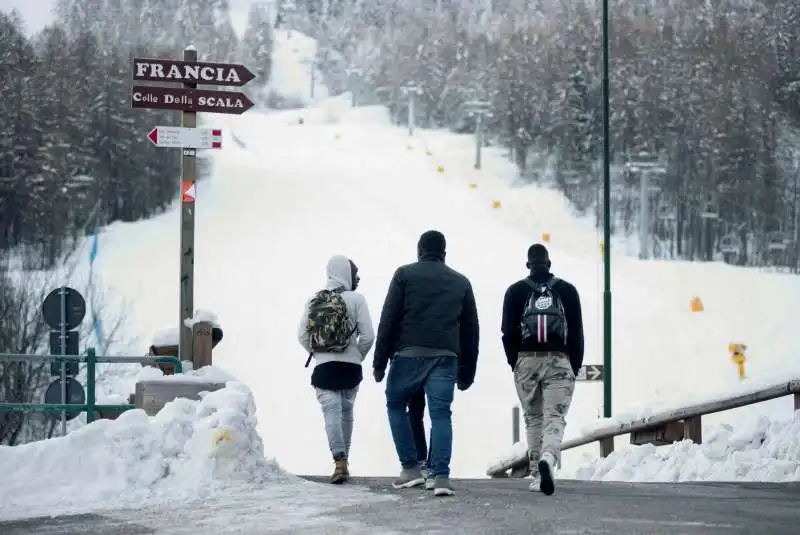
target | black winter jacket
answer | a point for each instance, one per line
(514, 304)
(429, 305)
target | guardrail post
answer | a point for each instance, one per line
(91, 378)
(693, 429)
(606, 446)
(797, 401)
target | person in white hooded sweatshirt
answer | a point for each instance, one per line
(337, 375)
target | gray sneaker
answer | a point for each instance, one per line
(430, 483)
(442, 486)
(409, 477)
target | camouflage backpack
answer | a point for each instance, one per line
(329, 326)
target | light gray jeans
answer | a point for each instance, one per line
(337, 410)
(545, 384)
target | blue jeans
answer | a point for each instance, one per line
(437, 375)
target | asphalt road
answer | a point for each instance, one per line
(503, 506)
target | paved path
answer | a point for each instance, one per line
(502, 506)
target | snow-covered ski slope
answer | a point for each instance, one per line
(275, 210)
(347, 182)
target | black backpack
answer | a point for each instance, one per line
(543, 316)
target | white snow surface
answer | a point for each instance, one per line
(201, 316)
(191, 450)
(168, 336)
(758, 449)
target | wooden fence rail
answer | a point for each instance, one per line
(659, 429)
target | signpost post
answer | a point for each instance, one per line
(189, 101)
(188, 180)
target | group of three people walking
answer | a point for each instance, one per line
(428, 337)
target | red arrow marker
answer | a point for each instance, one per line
(153, 136)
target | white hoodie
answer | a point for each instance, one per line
(340, 276)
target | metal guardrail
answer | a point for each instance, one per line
(689, 412)
(91, 360)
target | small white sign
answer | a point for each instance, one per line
(177, 137)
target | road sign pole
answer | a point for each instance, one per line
(63, 329)
(188, 175)
(607, 369)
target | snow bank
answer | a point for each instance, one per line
(644, 413)
(189, 450)
(206, 374)
(758, 450)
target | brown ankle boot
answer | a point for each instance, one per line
(340, 473)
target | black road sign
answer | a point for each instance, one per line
(76, 395)
(194, 100)
(75, 309)
(70, 346)
(591, 372)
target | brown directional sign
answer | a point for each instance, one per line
(184, 72)
(183, 99)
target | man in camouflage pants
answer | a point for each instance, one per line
(543, 340)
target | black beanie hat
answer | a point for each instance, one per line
(538, 257)
(431, 242)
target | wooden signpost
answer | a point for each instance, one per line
(189, 100)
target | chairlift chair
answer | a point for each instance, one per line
(570, 178)
(776, 241)
(710, 211)
(730, 244)
(665, 213)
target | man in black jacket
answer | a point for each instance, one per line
(543, 340)
(429, 330)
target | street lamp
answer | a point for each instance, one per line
(478, 109)
(606, 225)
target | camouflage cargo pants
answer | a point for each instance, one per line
(545, 384)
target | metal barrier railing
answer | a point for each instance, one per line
(91, 360)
